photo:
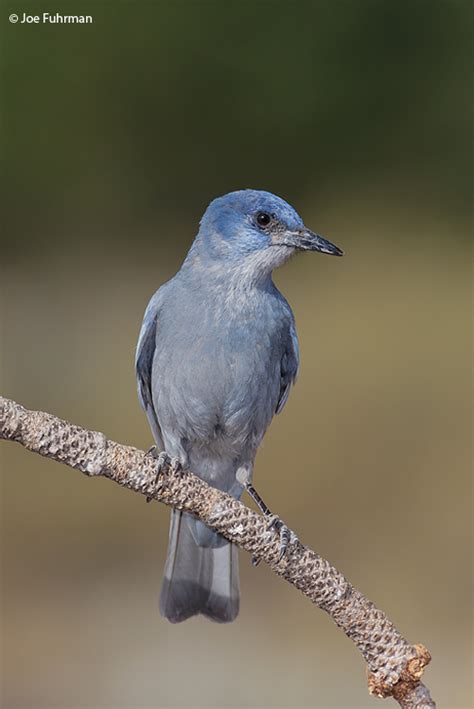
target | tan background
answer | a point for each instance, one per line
(103, 199)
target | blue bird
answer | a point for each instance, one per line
(216, 358)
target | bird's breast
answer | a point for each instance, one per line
(217, 379)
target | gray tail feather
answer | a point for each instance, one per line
(198, 579)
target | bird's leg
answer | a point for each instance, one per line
(257, 499)
(161, 458)
(274, 522)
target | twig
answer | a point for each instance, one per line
(394, 666)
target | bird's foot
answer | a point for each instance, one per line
(287, 537)
(160, 459)
(173, 465)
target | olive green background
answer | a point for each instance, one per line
(116, 136)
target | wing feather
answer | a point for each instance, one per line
(289, 367)
(144, 363)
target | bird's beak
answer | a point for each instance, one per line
(306, 240)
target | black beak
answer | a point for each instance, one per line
(307, 240)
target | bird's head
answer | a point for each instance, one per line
(258, 229)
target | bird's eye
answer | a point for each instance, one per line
(263, 219)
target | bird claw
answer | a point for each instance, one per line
(287, 537)
(174, 465)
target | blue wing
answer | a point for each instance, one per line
(289, 367)
(144, 363)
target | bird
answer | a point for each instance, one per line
(216, 358)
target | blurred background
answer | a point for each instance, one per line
(118, 134)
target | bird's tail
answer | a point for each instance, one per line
(199, 579)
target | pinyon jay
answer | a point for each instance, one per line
(216, 358)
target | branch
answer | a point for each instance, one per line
(394, 666)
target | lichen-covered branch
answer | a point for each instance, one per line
(394, 666)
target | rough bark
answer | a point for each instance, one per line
(394, 666)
